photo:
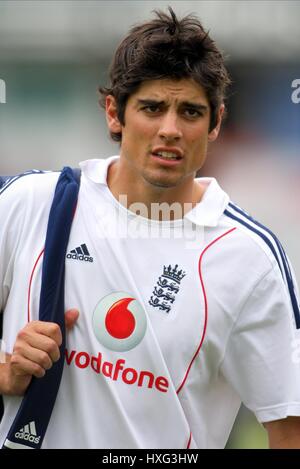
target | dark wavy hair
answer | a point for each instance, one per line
(166, 47)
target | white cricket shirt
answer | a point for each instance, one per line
(179, 321)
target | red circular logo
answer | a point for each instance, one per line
(119, 321)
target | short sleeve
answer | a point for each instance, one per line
(260, 361)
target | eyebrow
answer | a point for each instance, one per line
(150, 102)
(189, 104)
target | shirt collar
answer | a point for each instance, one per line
(212, 205)
(96, 170)
(206, 213)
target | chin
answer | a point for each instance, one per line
(163, 182)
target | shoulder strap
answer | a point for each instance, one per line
(36, 408)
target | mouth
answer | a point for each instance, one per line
(167, 156)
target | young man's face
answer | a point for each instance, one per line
(166, 131)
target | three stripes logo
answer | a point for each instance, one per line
(80, 254)
(28, 433)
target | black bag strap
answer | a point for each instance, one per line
(32, 419)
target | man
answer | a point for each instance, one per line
(184, 313)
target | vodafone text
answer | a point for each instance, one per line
(116, 371)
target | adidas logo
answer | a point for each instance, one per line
(28, 433)
(80, 254)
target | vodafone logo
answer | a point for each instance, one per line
(119, 321)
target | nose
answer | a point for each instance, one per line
(169, 128)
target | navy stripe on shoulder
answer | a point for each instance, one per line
(241, 216)
(7, 181)
(259, 233)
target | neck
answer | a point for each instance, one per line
(143, 198)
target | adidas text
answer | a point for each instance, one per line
(27, 437)
(80, 257)
(81, 253)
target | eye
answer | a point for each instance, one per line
(151, 108)
(190, 112)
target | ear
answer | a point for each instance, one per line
(213, 134)
(112, 120)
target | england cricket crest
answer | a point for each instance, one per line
(166, 289)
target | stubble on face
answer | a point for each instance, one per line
(168, 127)
(138, 172)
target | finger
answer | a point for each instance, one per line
(21, 366)
(29, 339)
(40, 343)
(48, 329)
(35, 355)
(71, 317)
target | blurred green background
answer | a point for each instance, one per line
(247, 433)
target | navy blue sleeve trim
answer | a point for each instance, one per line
(287, 275)
(7, 181)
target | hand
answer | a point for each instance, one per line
(35, 350)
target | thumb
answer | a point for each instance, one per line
(71, 317)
